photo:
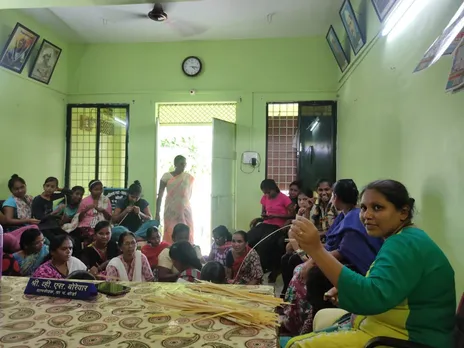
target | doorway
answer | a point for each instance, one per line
(198, 132)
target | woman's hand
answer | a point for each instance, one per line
(129, 209)
(136, 210)
(301, 211)
(89, 207)
(33, 221)
(94, 271)
(289, 249)
(332, 296)
(305, 234)
(294, 244)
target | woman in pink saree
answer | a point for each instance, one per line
(178, 185)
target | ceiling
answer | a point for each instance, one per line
(191, 20)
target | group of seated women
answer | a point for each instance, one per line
(365, 270)
(84, 234)
(122, 261)
(74, 215)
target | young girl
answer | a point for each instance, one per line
(99, 253)
(185, 260)
(276, 210)
(42, 205)
(132, 213)
(154, 246)
(323, 213)
(42, 208)
(214, 272)
(295, 256)
(221, 245)
(17, 208)
(67, 209)
(293, 192)
(92, 210)
(242, 263)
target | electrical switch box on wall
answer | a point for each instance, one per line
(250, 157)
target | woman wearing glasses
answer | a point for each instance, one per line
(132, 265)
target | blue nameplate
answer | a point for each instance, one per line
(61, 288)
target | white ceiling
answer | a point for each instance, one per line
(192, 20)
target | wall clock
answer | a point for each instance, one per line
(191, 66)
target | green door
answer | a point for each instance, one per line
(223, 173)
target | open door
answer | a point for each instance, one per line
(223, 173)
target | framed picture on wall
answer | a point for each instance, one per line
(45, 62)
(337, 49)
(18, 48)
(383, 8)
(350, 22)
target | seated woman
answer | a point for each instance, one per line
(133, 214)
(67, 208)
(59, 263)
(409, 291)
(214, 272)
(293, 192)
(186, 261)
(92, 210)
(33, 251)
(18, 207)
(167, 272)
(11, 239)
(242, 263)
(346, 240)
(131, 265)
(154, 246)
(294, 255)
(98, 254)
(42, 208)
(323, 212)
(221, 245)
(277, 208)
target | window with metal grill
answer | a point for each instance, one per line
(97, 141)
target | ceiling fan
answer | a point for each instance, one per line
(159, 14)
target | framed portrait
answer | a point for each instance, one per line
(45, 63)
(350, 22)
(383, 8)
(337, 49)
(18, 48)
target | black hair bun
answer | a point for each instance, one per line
(14, 176)
(136, 182)
(411, 202)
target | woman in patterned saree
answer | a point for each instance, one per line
(178, 185)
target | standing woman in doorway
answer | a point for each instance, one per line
(178, 185)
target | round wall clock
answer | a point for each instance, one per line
(191, 66)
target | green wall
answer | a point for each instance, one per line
(250, 72)
(395, 124)
(33, 115)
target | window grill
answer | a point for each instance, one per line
(97, 139)
(196, 113)
(282, 135)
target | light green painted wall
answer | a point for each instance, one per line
(395, 124)
(32, 116)
(250, 72)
